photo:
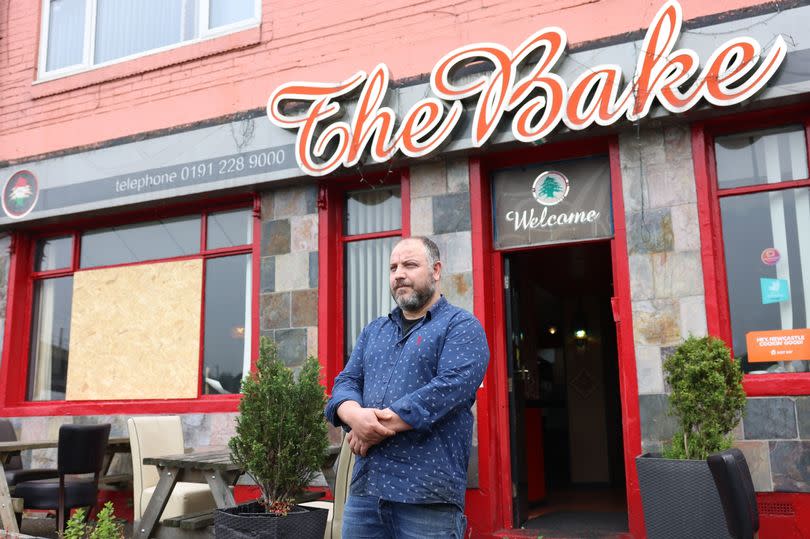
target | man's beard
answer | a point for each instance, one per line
(417, 299)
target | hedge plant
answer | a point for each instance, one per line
(281, 434)
(707, 397)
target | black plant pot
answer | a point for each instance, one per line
(250, 521)
(680, 499)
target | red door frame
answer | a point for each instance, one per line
(490, 507)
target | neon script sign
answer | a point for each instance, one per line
(539, 100)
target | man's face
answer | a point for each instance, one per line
(412, 279)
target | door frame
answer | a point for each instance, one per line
(495, 494)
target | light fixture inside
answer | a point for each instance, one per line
(552, 330)
(580, 334)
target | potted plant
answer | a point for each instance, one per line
(280, 442)
(707, 398)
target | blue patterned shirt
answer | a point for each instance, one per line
(429, 377)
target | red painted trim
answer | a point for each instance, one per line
(628, 382)
(761, 188)
(372, 235)
(708, 251)
(255, 315)
(225, 403)
(762, 385)
(16, 352)
(490, 505)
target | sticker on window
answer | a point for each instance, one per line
(774, 290)
(779, 345)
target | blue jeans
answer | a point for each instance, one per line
(368, 517)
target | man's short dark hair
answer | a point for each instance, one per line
(431, 249)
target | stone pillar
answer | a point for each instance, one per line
(289, 275)
(666, 278)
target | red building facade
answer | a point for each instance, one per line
(161, 212)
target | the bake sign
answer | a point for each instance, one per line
(523, 86)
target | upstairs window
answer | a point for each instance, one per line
(81, 34)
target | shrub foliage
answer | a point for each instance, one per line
(280, 436)
(707, 397)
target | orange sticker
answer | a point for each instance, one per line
(779, 345)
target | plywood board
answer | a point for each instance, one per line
(135, 332)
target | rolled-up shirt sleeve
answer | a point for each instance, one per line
(349, 383)
(460, 371)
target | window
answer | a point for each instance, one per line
(80, 34)
(133, 257)
(763, 201)
(358, 224)
(371, 226)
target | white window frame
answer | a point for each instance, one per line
(88, 51)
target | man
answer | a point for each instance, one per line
(406, 396)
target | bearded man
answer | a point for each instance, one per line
(405, 397)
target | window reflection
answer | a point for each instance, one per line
(229, 229)
(367, 290)
(777, 221)
(166, 238)
(50, 339)
(758, 157)
(227, 324)
(53, 253)
(373, 210)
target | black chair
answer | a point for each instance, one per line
(15, 473)
(81, 451)
(737, 494)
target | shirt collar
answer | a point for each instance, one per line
(396, 313)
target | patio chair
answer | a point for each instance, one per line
(15, 473)
(80, 451)
(153, 436)
(737, 494)
(343, 479)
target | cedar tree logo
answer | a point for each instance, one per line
(550, 188)
(20, 194)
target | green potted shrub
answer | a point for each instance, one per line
(281, 442)
(707, 398)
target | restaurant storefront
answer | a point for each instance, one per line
(591, 224)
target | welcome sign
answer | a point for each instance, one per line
(552, 203)
(523, 84)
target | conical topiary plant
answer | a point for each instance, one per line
(707, 397)
(281, 437)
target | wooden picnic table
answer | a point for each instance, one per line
(212, 465)
(11, 448)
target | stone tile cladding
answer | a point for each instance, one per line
(288, 301)
(440, 209)
(666, 281)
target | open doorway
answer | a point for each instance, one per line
(565, 412)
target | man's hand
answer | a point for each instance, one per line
(358, 446)
(389, 418)
(364, 423)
